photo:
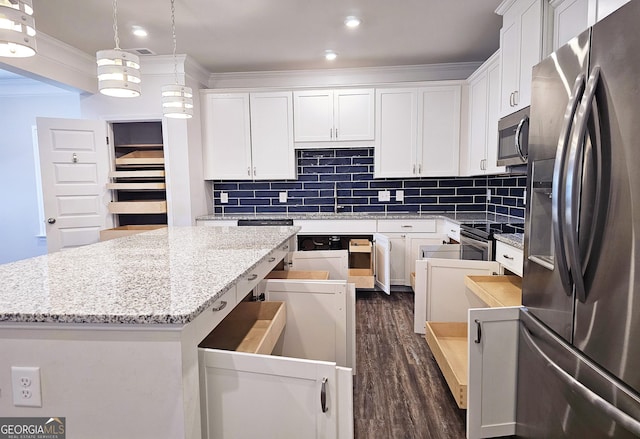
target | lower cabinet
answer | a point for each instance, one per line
(440, 292)
(305, 389)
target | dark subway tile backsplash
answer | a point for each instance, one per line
(347, 174)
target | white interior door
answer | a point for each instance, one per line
(75, 163)
(382, 249)
(336, 262)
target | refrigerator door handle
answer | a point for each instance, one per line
(572, 189)
(557, 193)
(617, 415)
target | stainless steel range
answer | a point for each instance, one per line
(477, 238)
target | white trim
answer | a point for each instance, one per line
(42, 233)
(343, 77)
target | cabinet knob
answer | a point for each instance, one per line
(51, 220)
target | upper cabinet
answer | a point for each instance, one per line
(484, 103)
(248, 136)
(571, 17)
(417, 131)
(521, 39)
(334, 115)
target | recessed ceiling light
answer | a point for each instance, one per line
(352, 22)
(330, 55)
(139, 31)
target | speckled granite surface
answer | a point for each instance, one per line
(459, 217)
(163, 276)
(514, 239)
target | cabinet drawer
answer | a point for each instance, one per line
(252, 327)
(249, 281)
(119, 232)
(407, 226)
(449, 345)
(138, 207)
(298, 274)
(336, 227)
(221, 307)
(509, 257)
(452, 230)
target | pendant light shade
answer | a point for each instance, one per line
(177, 99)
(118, 71)
(17, 29)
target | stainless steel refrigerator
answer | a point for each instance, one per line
(579, 341)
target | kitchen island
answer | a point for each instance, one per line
(114, 326)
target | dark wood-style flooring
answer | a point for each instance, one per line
(399, 391)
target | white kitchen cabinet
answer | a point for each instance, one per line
(397, 258)
(509, 257)
(417, 131)
(451, 229)
(248, 136)
(521, 46)
(484, 104)
(336, 262)
(334, 115)
(492, 375)
(304, 392)
(440, 292)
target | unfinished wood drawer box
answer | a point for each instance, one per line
(119, 232)
(138, 207)
(137, 186)
(153, 157)
(449, 344)
(361, 263)
(252, 327)
(298, 274)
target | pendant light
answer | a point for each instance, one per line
(118, 71)
(17, 29)
(177, 99)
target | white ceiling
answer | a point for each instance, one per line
(264, 35)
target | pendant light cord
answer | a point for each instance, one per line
(175, 44)
(115, 24)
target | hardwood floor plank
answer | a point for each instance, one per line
(399, 392)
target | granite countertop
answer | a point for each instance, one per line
(455, 217)
(513, 239)
(168, 275)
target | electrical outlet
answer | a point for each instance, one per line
(26, 386)
(282, 196)
(400, 195)
(224, 197)
(488, 194)
(384, 196)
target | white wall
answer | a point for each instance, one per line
(19, 214)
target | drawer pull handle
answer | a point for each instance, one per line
(286, 247)
(220, 307)
(507, 257)
(323, 395)
(453, 231)
(406, 227)
(478, 331)
(272, 259)
(252, 277)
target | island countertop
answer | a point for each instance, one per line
(165, 276)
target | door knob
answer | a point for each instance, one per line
(51, 220)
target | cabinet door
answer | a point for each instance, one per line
(313, 115)
(413, 243)
(227, 136)
(382, 269)
(493, 115)
(509, 63)
(396, 132)
(316, 327)
(570, 18)
(250, 396)
(397, 263)
(438, 131)
(336, 262)
(272, 136)
(478, 100)
(491, 388)
(606, 7)
(530, 50)
(440, 292)
(353, 113)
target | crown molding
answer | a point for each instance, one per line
(347, 76)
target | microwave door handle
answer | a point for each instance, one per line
(572, 190)
(557, 193)
(525, 120)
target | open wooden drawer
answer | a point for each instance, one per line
(449, 344)
(252, 327)
(284, 392)
(361, 263)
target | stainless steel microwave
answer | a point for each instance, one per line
(513, 138)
